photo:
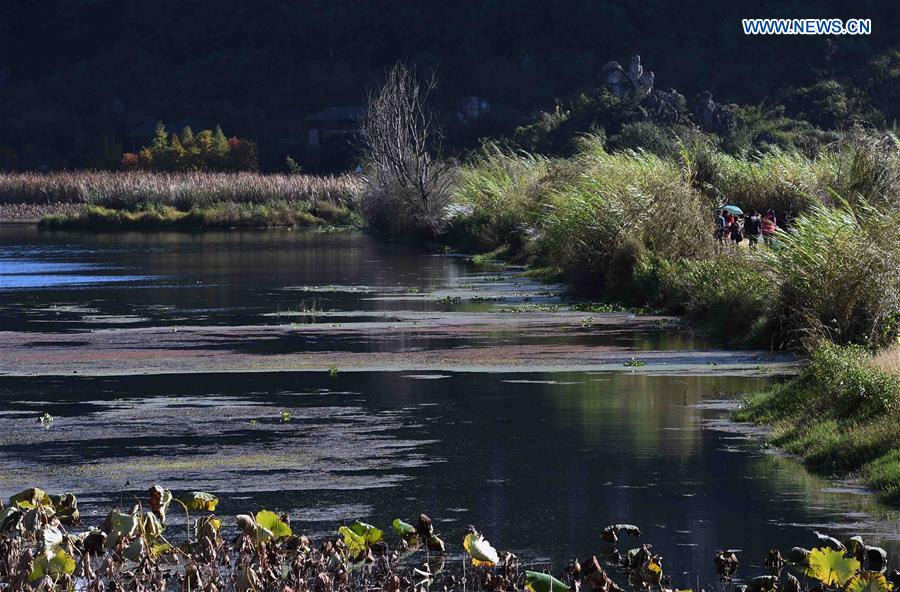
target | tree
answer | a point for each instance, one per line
(401, 143)
(160, 138)
(220, 150)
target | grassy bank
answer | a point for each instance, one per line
(839, 416)
(214, 215)
(636, 228)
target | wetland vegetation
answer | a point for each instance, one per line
(46, 546)
(543, 315)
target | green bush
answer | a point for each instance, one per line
(646, 135)
(762, 128)
(831, 104)
(730, 293)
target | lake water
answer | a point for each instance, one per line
(540, 462)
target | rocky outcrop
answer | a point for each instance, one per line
(665, 107)
(631, 84)
(711, 116)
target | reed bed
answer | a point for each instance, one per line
(503, 194)
(623, 206)
(836, 274)
(183, 191)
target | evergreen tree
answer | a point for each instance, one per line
(220, 150)
(160, 138)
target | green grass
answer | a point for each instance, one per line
(729, 294)
(215, 215)
(500, 254)
(839, 416)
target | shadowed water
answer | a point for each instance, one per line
(540, 462)
(57, 281)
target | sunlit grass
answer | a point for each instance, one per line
(183, 191)
(214, 215)
(839, 416)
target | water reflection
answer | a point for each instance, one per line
(539, 461)
(218, 277)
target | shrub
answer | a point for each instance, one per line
(408, 181)
(761, 128)
(731, 293)
(831, 104)
(646, 135)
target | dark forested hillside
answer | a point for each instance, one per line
(80, 80)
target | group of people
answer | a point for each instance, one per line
(752, 226)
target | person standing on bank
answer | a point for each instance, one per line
(753, 227)
(769, 225)
(735, 230)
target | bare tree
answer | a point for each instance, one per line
(401, 143)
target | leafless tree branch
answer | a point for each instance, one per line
(402, 143)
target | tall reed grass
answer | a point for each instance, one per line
(783, 181)
(861, 166)
(624, 205)
(502, 195)
(837, 274)
(184, 191)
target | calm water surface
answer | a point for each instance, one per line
(539, 462)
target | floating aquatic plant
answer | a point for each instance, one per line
(45, 547)
(831, 566)
(481, 551)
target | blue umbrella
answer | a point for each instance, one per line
(733, 210)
